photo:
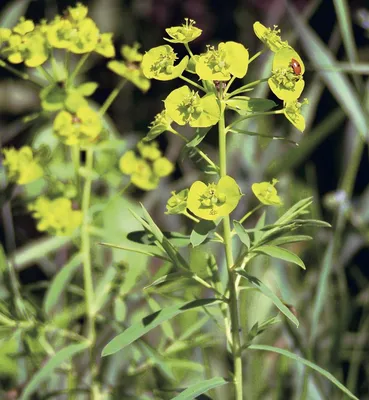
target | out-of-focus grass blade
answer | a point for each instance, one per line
(344, 21)
(321, 291)
(307, 146)
(357, 68)
(9, 17)
(200, 387)
(309, 364)
(339, 85)
(60, 282)
(45, 372)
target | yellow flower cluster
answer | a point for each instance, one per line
(56, 217)
(21, 165)
(74, 32)
(147, 168)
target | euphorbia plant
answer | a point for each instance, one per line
(207, 104)
(65, 202)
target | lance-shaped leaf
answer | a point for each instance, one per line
(309, 364)
(242, 234)
(200, 387)
(255, 282)
(281, 253)
(60, 282)
(244, 105)
(47, 370)
(150, 322)
(201, 231)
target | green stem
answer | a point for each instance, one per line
(113, 95)
(247, 86)
(233, 300)
(67, 64)
(200, 152)
(54, 66)
(188, 215)
(192, 83)
(21, 75)
(188, 49)
(86, 253)
(78, 68)
(76, 163)
(247, 215)
(228, 85)
(255, 56)
(46, 75)
(261, 114)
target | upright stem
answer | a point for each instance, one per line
(87, 268)
(113, 95)
(233, 301)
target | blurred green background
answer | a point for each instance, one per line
(331, 163)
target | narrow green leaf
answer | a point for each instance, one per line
(173, 276)
(148, 250)
(60, 282)
(309, 364)
(244, 105)
(142, 237)
(290, 239)
(149, 224)
(201, 387)
(55, 361)
(268, 293)
(295, 210)
(165, 326)
(281, 253)
(201, 231)
(150, 322)
(242, 234)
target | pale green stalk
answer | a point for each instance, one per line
(78, 67)
(113, 95)
(192, 83)
(20, 74)
(233, 301)
(87, 271)
(46, 75)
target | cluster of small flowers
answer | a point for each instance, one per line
(74, 32)
(287, 81)
(147, 167)
(56, 217)
(24, 166)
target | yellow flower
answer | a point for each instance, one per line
(21, 166)
(56, 216)
(267, 193)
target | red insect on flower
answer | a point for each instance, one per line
(295, 66)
